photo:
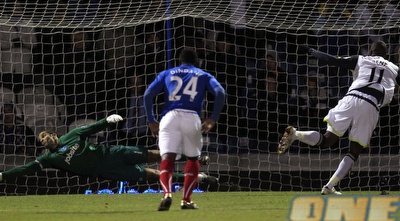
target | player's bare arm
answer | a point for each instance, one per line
(207, 125)
(348, 62)
(154, 127)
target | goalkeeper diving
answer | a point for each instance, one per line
(73, 152)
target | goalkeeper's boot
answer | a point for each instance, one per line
(204, 160)
(210, 180)
(188, 205)
(165, 204)
(287, 139)
(326, 191)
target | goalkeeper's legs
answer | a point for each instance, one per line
(154, 156)
(152, 175)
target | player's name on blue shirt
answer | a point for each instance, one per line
(186, 71)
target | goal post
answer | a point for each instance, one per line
(68, 62)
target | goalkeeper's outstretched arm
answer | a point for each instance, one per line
(95, 127)
(28, 169)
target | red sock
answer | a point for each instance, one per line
(191, 171)
(166, 170)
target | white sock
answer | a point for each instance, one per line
(344, 167)
(309, 137)
(333, 182)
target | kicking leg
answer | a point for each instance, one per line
(313, 138)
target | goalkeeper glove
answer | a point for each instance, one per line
(114, 118)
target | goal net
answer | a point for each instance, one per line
(66, 64)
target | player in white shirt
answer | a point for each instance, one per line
(374, 81)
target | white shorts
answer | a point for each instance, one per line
(354, 113)
(180, 133)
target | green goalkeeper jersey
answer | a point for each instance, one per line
(76, 154)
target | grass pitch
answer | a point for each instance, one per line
(229, 206)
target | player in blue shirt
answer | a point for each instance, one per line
(180, 128)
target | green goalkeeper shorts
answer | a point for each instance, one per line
(121, 163)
